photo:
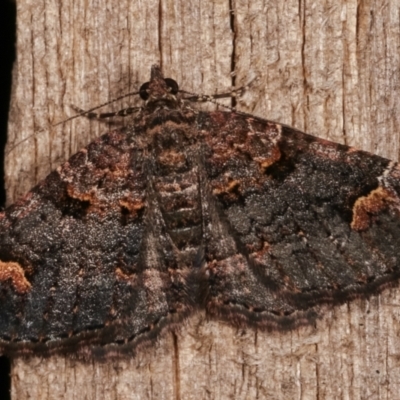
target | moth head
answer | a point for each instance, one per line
(159, 91)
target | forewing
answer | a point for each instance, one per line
(311, 221)
(70, 251)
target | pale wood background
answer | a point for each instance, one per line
(328, 67)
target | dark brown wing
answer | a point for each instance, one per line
(73, 257)
(309, 221)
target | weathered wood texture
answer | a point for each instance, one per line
(330, 68)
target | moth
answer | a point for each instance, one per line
(183, 210)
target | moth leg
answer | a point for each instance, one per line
(202, 98)
(199, 98)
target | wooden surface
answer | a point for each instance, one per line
(330, 68)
